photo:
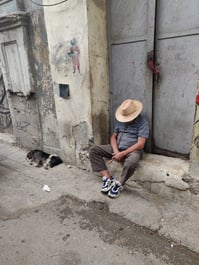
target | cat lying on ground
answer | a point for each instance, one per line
(40, 158)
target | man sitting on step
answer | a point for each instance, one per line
(126, 145)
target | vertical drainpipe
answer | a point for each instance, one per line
(194, 155)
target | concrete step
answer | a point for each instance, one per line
(162, 175)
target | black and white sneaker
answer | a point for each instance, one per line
(108, 183)
(114, 192)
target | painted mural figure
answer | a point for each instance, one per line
(74, 54)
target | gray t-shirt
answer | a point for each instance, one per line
(128, 132)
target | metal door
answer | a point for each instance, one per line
(131, 37)
(177, 55)
(169, 103)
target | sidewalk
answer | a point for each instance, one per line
(173, 213)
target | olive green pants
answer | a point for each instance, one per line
(99, 152)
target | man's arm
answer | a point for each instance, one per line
(113, 142)
(118, 156)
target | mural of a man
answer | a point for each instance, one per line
(74, 54)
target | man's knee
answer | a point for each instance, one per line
(93, 150)
(130, 166)
(132, 161)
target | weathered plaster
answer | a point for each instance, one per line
(78, 114)
(13, 31)
(5, 115)
(76, 108)
(99, 73)
(34, 118)
(26, 125)
(15, 60)
(77, 50)
(44, 85)
(82, 143)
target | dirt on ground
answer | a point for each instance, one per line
(69, 231)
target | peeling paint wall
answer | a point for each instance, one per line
(15, 63)
(44, 83)
(34, 117)
(79, 61)
(66, 109)
(5, 115)
(25, 122)
(76, 108)
(82, 144)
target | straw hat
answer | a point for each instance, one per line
(128, 110)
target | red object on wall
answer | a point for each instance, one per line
(152, 65)
(197, 99)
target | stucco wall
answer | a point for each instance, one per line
(99, 72)
(72, 36)
(79, 62)
(33, 117)
(16, 66)
(26, 125)
(43, 83)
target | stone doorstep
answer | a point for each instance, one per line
(161, 174)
